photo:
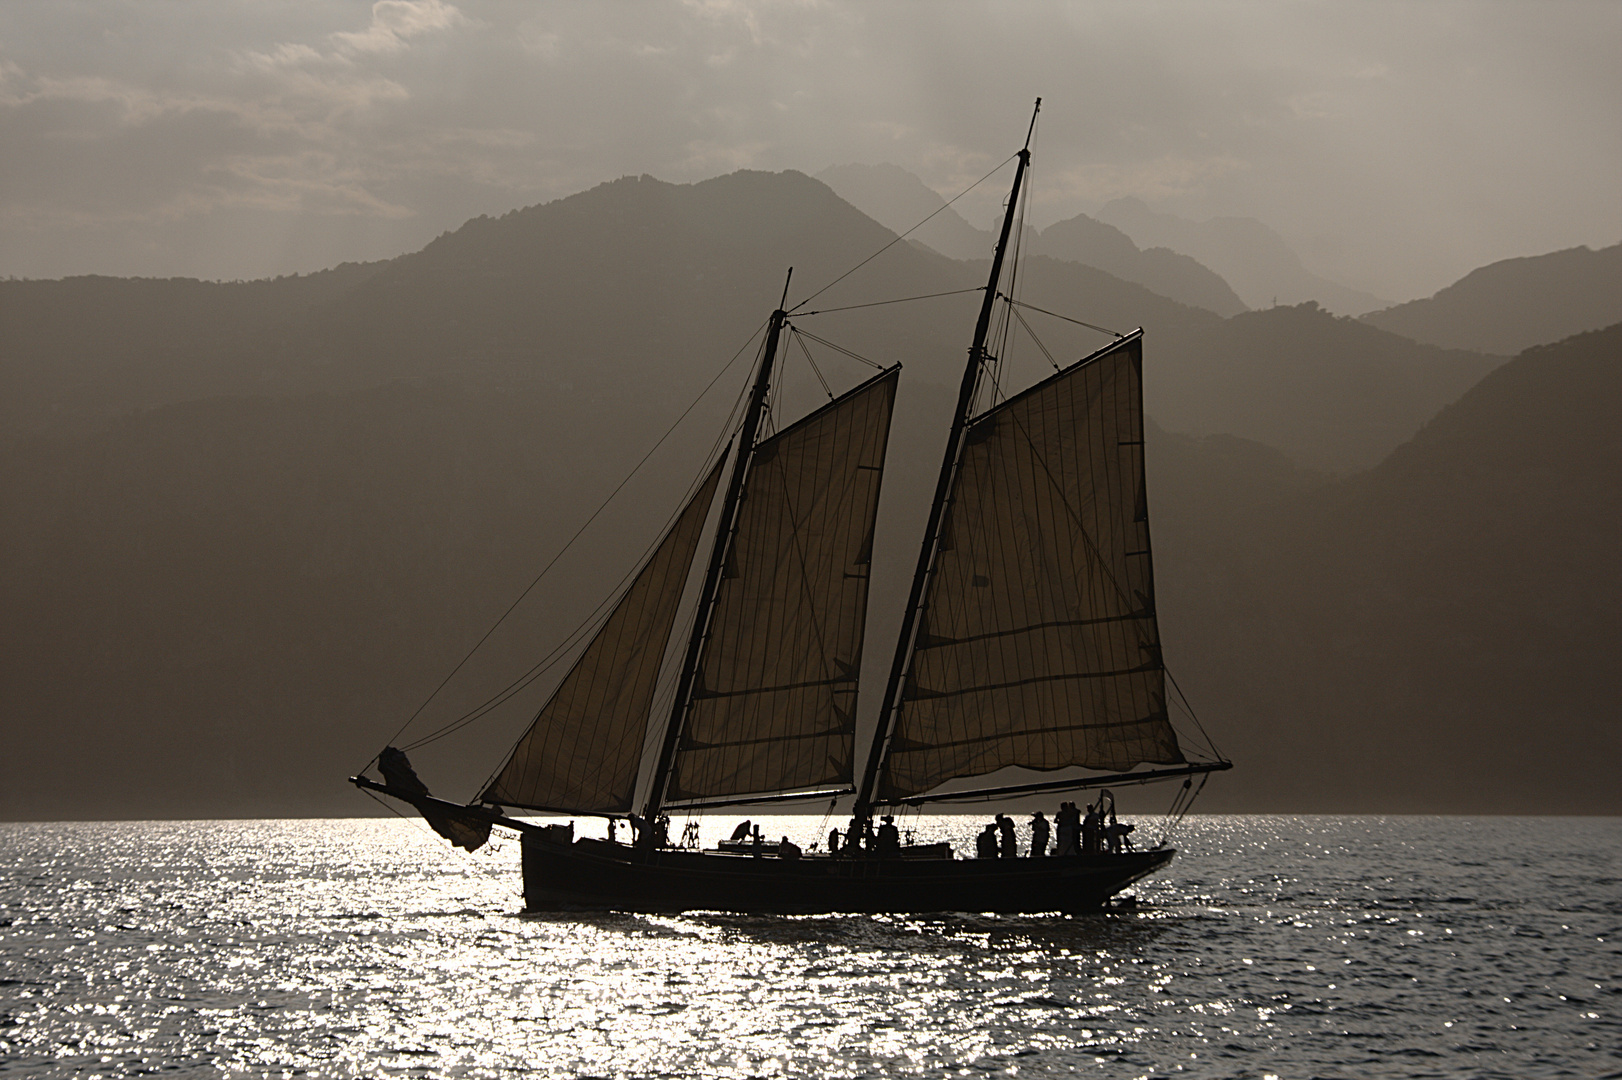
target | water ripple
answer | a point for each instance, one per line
(1275, 946)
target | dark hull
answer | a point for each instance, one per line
(593, 875)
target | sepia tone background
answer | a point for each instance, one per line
(248, 525)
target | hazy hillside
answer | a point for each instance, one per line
(898, 200)
(257, 522)
(1333, 393)
(1091, 242)
(1251, 257)
(260, 591)
(638, 290)
(1517, 303)
(80, 350)
(1443, 629)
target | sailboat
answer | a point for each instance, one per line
(1029, 640)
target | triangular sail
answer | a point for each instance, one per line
(583, 752)
(1038, 644)
(773, 704)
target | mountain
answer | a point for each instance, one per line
(1251, 257)
(898, 200)
(277, 512)
(1331, 392)
(1442, 629)
(1091, 242)
(1517, 303)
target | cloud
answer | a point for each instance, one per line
(1393, 135)
(394, 21)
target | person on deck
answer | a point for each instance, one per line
(1009, 846)
(888, 840)
(788, 849)
(1092, 831)
(833, 841)
(1069, 821)
(985, 845)
(1039, 835)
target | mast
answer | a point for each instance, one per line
(943, 487)
(718, 555)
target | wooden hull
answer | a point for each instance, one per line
(593, 875)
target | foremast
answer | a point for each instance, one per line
(747, 437)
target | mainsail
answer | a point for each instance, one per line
(583, 752)
(1038, 644)
(773, 702)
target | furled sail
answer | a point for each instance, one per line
(773, 704)
(1038, 644)
(584, 749)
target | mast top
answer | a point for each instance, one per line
(1031, 130)
(786, 280)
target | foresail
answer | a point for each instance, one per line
(1038, 644)
(773, 705)
(583, 751)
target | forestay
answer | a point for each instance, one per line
(1038, 644)
(773, 704)
(583, 752)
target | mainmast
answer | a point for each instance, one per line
(718, 554)
(943, 487)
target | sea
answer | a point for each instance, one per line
(1273, 946)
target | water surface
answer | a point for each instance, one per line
(1274, 946)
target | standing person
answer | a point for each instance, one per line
(1039, 835)
(1092, 828)
(985, 845)
(889, 837)
(1069, 819)
(1008, 848)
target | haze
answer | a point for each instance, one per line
(1396, 147)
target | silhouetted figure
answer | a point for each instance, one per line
(985, 845)
(1039, 835)
(888, 840)
(742, 831)
(833, 841)
(788, 849)
(613, 830)
(1009, 845)
(1069, 822)
(1092, 831)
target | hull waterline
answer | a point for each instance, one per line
(594, 875)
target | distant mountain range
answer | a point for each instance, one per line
(899, 200)
(1249, 255)
(1517, 303)
(249, 526)
(1442, 629)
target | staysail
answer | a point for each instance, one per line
(583, 752)
(773, 702)
(1038, 644)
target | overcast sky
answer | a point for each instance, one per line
(1397, 146)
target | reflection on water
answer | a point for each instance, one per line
(1273, 946)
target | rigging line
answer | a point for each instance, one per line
(591, 623)
(881, 303)
(841, 349)
(798, 340)
(1056, 365)
(1209, 742)
(597, 618)
(902, 237)
(594, 515)
(1066, 318)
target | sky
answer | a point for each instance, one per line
(1395, 146)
